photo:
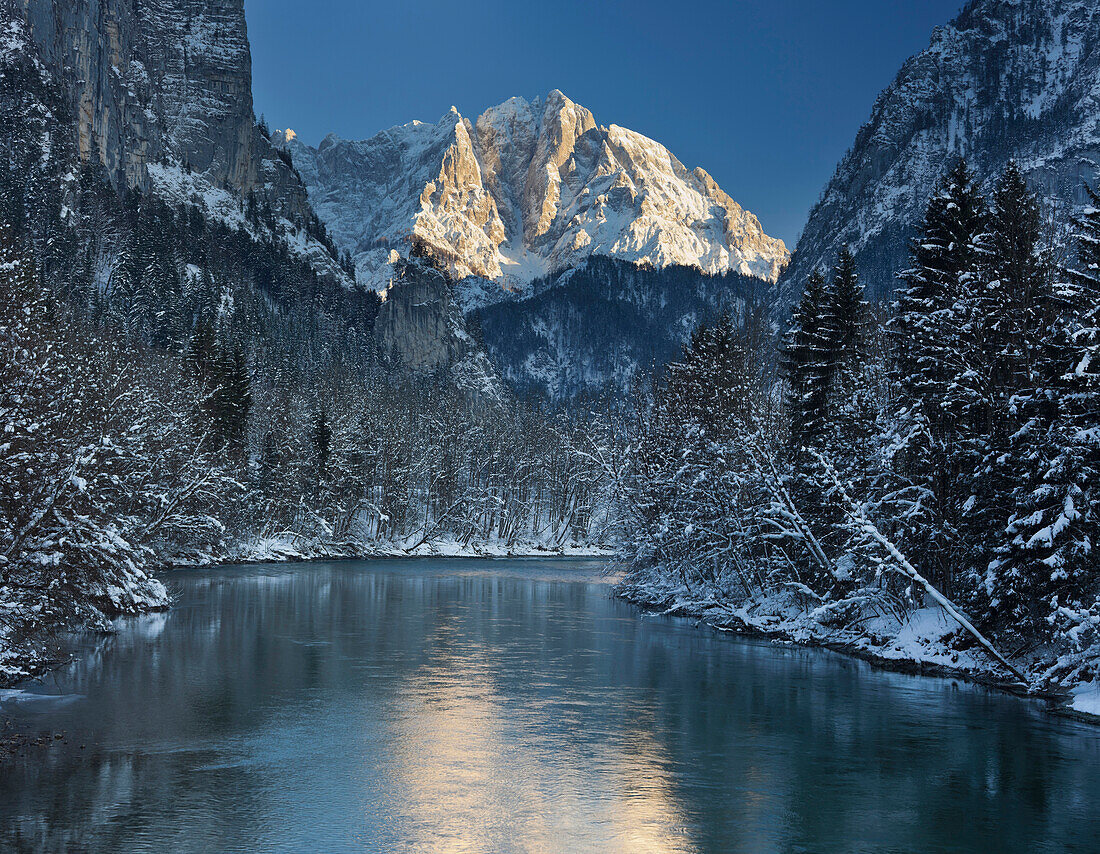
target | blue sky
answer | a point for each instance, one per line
(766, 95)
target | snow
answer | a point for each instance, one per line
(1086, 698)
(490, 197)
(180, 187)
(290, 548)
(923, 639)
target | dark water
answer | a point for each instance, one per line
(457, 706)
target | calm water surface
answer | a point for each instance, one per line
(512, 706)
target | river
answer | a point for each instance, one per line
(513, 706)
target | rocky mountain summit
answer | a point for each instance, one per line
(528, 189)
(1006, 79)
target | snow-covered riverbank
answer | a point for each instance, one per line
(276, 549)
(926, 641)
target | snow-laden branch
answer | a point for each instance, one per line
(784, 505)
(859, 520)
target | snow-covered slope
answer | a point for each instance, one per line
(529, 189)
(598, 328)
(1005, 79)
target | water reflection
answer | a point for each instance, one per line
(512, 706)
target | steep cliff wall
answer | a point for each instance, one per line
(163, 81)
(1006, 79)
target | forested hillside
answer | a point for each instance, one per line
(194, 376)
(919, 482)
(608, 325)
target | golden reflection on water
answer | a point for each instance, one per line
(507, 708)
(470, 775)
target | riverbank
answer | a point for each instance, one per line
(923, 642)
(295, 549)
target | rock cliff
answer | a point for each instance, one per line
(163, 82)
(1006, 79)
(421, 331)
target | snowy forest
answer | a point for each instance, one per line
(158, 418)
(173, 389)
(943, 450)
(183, 387)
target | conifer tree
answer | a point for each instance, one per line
(230, 399)
(711, 383)
(807, 364)
(933, 329)
(849, 308)
(322, 443)
(1047, 568)
(1015, 298)
(945, 255)
(1012, 308)
(853, 418)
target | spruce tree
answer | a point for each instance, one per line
(807, 365)
(322, 443)
(1015, 299)
(935, 383)
(945, 256)
(852, 419)
(1013, 307)
(1047, 567)
(849, 308)
(230, 399)
(710, 384)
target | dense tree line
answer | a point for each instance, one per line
(156, 411)
(948, 447)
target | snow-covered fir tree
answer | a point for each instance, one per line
(808, 363)
(937, 388)
(1045, 575)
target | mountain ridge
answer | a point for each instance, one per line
(528, 189)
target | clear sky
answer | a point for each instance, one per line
(766, 95)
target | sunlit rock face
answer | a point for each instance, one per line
(528, 189)
(1006, 79)
(163, 82)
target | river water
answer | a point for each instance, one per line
(513, 706)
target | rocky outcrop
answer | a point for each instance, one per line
(1006, 79)
(421, 331)
(528, 189)
(163, 81)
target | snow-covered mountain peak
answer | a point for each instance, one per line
(528, 188)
